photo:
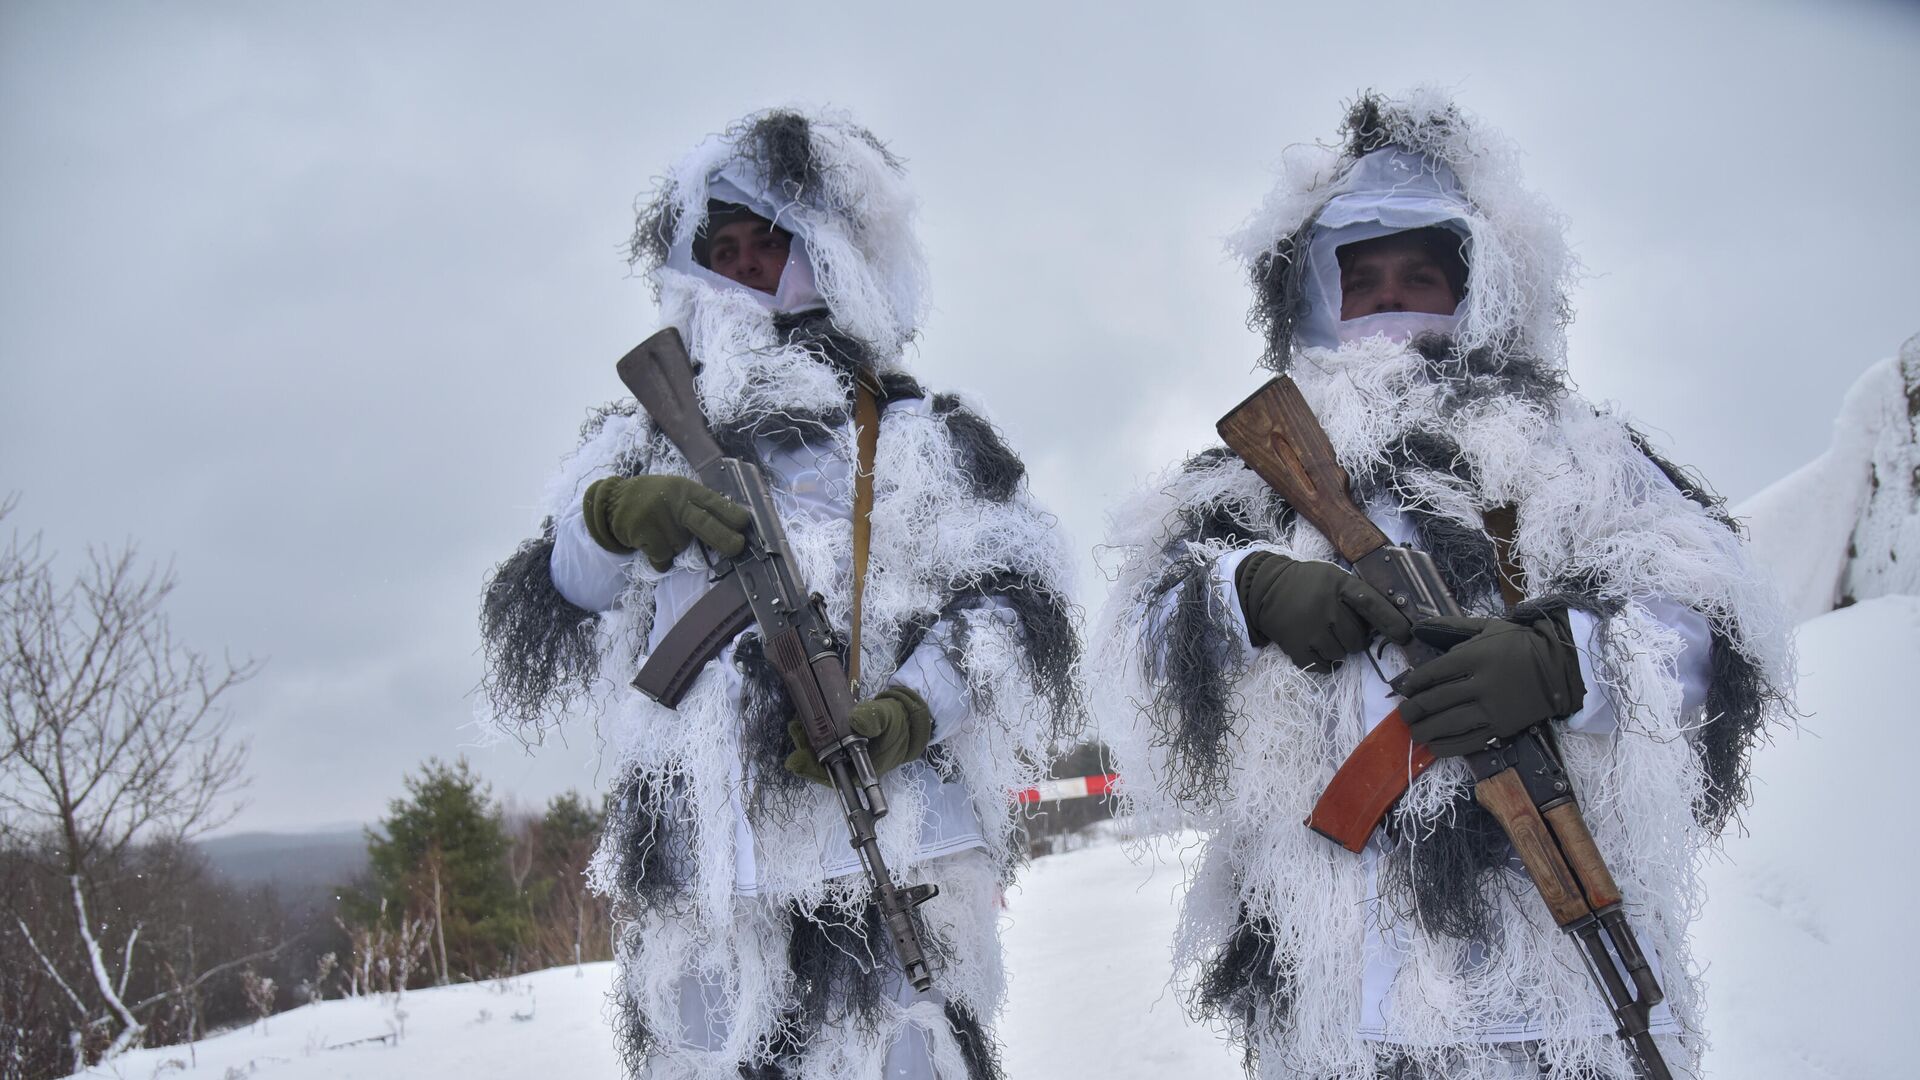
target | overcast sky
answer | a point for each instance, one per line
(309, 298)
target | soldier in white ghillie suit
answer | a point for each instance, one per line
(1416, 293)
(783, 252)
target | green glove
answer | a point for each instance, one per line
(895, 722)
(659, 515)
(1504, 678)
(1316, 612)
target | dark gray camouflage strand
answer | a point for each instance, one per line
(539, 647)
(1440, 878)
(835, 953)
(1198, 656)
(1245, 987)
(986, 461)
(977, 1046)
(1279, 296)
(779, 145)
(1049, 639)
(1738, 697)
(651, 852)
(1686, 481)
(1195, 657)
(1493, 371)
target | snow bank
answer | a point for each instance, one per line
(1833, 527)
(1891, 523)
(1807, 936)
(550, 1023)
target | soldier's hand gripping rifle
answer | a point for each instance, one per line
(762, 585)
(1521, 781)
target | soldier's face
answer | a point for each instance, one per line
(1392, 273)
(752, 253)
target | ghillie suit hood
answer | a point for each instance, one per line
(962, 561)
(1282, 932)
(1405, 165)
(830, 183)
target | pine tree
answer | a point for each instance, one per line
(574, 922)
(568, 832)
(443, 856)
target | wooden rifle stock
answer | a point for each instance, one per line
(1275, 432)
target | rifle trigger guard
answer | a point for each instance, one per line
(1375, 661)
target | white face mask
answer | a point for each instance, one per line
(1397, 326)
(799, 288)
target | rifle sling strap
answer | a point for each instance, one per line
(1501, 523)
(866, 423)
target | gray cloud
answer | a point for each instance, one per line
(309, 298)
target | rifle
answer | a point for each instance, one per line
(1521, 781)
(762, 585)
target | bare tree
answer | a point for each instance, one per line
(111, 737)
(381, 959)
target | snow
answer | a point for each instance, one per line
(1808, 527)
(550, 1020)
(1087, 936)
(1891, 523)
(1090, 946)
(1807, 934)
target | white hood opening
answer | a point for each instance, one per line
(1386, 192)
(799, 288)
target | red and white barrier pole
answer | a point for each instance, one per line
(1073, 787)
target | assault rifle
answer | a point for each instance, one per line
(1521, 781)
(762, 585)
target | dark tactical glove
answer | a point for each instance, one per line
(659, 515)
(1316, 612)
(1501, 678)
(895, 722)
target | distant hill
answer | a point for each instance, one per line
(296, 862)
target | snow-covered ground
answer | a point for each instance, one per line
(1089, 942)
(1808, 932)
(1087, 935)
(1806, 935)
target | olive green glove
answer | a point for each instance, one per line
(1505, 677)
(659, 515)
(1316, 612)
(895, 722)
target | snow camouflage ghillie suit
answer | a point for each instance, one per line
(1430, 954)
(745, 942)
